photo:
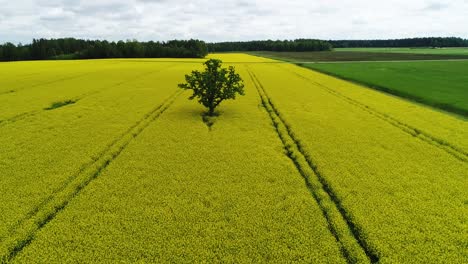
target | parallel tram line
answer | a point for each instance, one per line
(80, 97)
(67, 78)
(349, 236)
(451, 149)
(61, 79)
(23, 233)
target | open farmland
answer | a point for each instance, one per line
(442, 84)
(437, 51)
(358, 55)
(107, 161)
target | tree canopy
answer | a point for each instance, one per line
(320, 45)
(271, 45)
(213, 85)
(70, 48)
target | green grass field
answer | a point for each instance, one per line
(107, 161)
(358, 55)
(431, 51)
(441, 84)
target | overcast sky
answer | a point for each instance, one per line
(221, 20)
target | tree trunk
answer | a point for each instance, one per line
(211, 111)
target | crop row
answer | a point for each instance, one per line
(445, 130)
(18, 105)
(42, 153)
(454, 150)
(354, 249)
(181, 192)
(24, 231)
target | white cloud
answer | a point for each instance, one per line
(436, 6)
(22, 20)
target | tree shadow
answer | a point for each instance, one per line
(209, 120)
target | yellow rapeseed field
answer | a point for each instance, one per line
(107, 161)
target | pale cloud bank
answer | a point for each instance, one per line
(22, 20)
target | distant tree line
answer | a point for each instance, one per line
(401, 43)
(271, 45)
(71, 48)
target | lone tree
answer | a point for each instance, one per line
(213, 85)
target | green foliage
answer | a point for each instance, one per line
(71, 48)
(213, 85)
(71, 56)
(271, 45)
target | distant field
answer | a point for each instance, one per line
(442, 84)
(107, 161)
(439, 51)
(326, 56)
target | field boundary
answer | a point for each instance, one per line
(318, 60)
(446, 108)
(451, 149)
(24, 232)
(349, 236)
(367, 61)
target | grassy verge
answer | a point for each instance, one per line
(441, 51)
(329, 56)
(438, 84)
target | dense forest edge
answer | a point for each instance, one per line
(71, 48)
(271, 45)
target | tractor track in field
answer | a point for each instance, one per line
(72, 77)
(26, 76)
(349, 236)
(18, 117)
(451, 149)
(80, 97)
(7, 92)
(23, 233)
(62, 79)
